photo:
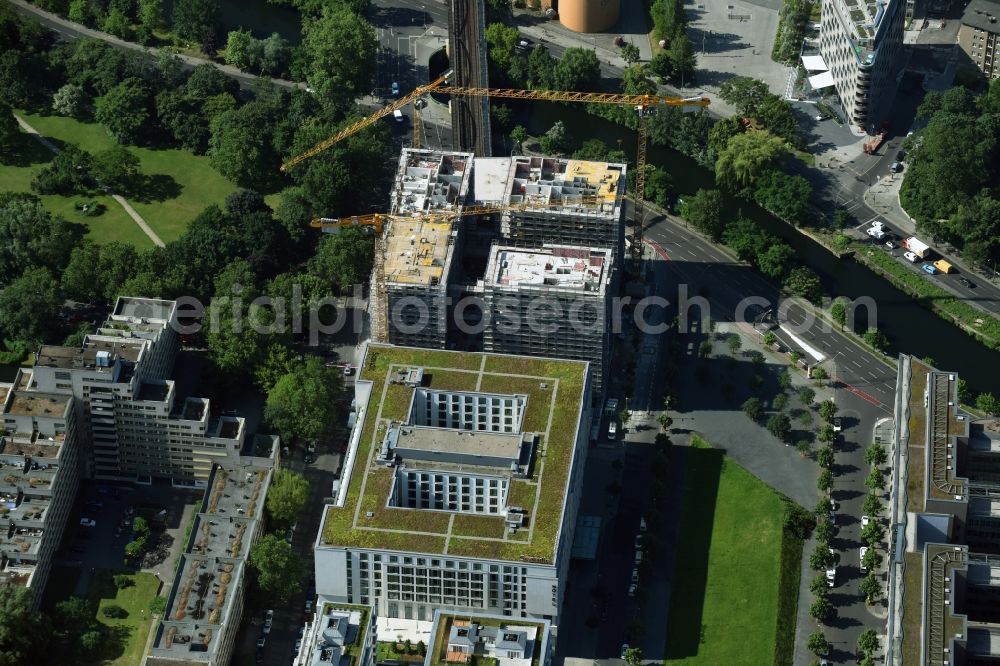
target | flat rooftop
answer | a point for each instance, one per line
(150, 309)
(537, 634)
(448, 440)
(29, 403)
(208, 576)
(563, 267)
(336, 635)
(554, 390)
(864, 19)
(983, 15)
(579, 186)
(74, 358)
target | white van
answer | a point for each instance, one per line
(398, 115)
(612, 430)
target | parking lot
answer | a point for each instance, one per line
(102, 545)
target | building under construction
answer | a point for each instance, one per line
(567, 214)
(556, 200)
(414, 258)
(553, 301)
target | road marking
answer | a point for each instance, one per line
(657, 248)
(815, 353)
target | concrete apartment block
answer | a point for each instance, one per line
(204, 610)
(944, 519)
(979, 36)
(39, 475)
(137, 427)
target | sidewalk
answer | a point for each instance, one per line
(146, 229)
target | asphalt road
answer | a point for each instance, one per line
(864, 389)
(845, 184)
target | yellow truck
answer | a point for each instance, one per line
(943, 266)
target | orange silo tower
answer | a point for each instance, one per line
(589, 15)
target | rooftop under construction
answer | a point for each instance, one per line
(563, 267)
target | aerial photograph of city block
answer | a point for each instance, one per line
(500, 332)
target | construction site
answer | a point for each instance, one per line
(449, 209)
(459, 227)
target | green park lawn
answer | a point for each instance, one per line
(182, 184)
(724, 608)
(130, 633)
(112, 224)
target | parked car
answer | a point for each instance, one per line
(261, 642)
(88, 522)
(876, 233)
(612, 430)
(309, 606)
(642, 524)
(911, 257)
(298, 646)
(638, 557)
(395, 89)
(889, 245)
(638, 541)
(865, 520)
(635, 575)
(308, 458)
(268, 621)
(838, 425)
(896, 167)
(348, 370)
(631, 589)
(624, 649)
(965, 282)
(831, 576)
(929, 269)
(864, 549)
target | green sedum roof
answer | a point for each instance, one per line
(553, 412)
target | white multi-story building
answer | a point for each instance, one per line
(446, 501)
(137, 426)
(39, 475)
(861, 43)
(338, 635)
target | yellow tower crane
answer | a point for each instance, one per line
(643, 104)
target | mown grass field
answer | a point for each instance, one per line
(113, 224)
(182, 184)
(725, 604)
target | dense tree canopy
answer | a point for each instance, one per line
(301, 406)
(29, 306)
(952, 170)
(125, 110)
(287, 496)
(277, 570)
(30, 236)
(340, 48)
(747, 157)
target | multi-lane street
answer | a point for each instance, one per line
(864, 387)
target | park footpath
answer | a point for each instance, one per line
(138, 219)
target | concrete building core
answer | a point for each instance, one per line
(579, 202)
(554, 301)
(861, 42)
(979, 36)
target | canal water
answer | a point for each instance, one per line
(910, 327)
